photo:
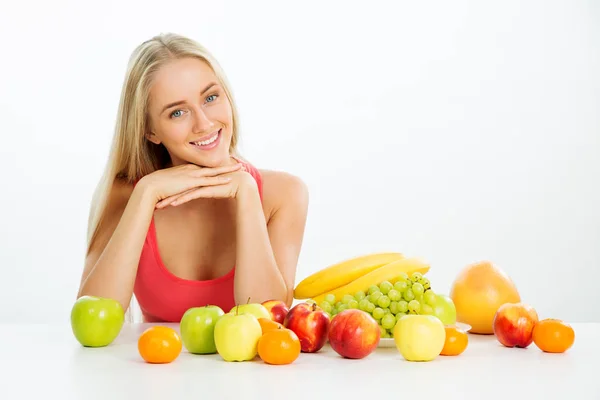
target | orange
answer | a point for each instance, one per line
(478, 291)
(159, 345)
(268, 324)
(553, 335)
(279, 346)
(456, 341)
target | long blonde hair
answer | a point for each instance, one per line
(131, 155)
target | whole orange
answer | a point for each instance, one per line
(456, 341)
(159, 345)
(553, 335)
(268, 324)
(279, 346)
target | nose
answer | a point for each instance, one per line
(201, 121)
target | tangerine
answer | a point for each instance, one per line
(267, 324)
(159, 345)
(279, 346)
(456, 341)
(553, 335)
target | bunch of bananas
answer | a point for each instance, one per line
(357, 274)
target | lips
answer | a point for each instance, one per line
(207, 140)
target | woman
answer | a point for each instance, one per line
(179, 219)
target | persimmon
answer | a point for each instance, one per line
(456, 341)
(553, 335)
(279, 346)
(159, 345)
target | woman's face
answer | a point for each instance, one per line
(189, 113)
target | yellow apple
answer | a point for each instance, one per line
(419, 337)
(236, 336)
(258, 310)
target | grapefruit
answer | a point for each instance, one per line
(478, 291)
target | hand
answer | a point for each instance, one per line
(237, 180)
(174, 181)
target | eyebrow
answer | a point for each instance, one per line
(176, 103)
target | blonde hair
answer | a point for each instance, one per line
(131, 155)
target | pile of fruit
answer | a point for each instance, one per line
(387, 286)
(352, 305)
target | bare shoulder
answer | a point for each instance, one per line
(283, 189)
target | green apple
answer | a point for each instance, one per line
(419, 337)
(197, 329)
(236, 336)
(258, 310)
(444, 309)
(96, 321)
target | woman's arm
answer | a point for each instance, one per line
(267, 252)
(111, 264)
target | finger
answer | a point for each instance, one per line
(217, 171)
(168, 200)
(204, 192)
(201, 182)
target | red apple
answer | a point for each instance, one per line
(277, 308)
(513, 324)
(354, 334)
(310, 323)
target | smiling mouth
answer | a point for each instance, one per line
(208, 141)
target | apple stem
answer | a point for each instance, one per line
(237, 308)
(248, 301)
(314, 306)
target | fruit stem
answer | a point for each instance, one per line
(237, 308)
(314, 306)
(248, 301)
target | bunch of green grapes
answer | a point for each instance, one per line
(388, 302)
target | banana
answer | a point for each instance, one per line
(342, 273)
(389, 272)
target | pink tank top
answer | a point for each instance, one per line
(164, 297)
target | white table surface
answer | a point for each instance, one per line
(46, 360)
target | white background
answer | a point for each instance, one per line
(451, 130)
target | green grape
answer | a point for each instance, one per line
(359, 295)
(338, 304)
(342, 308)
(363, 304)
(388, 321)
(347, 298)
(429, 297)
(418, 289)
(373, 289)
(414, 306)
(330, 298)
(390, 332)
(426, 284)
(402, 306)
(401, 286)
(378, 313)
(326, 306)
(403, 277)
(383, 301)
(370, 307)
(400, 315)
(416, 276)
(385, 287)
(426, 309)
(394, 295)
(394, 307)
(387, 310)
(353, 304)
(374, 296)
(408, 295)
(382, 331)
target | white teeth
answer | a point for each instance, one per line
(206, 142)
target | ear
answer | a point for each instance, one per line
(152, 137)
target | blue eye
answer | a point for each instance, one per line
(214, 95)
(176, 111)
